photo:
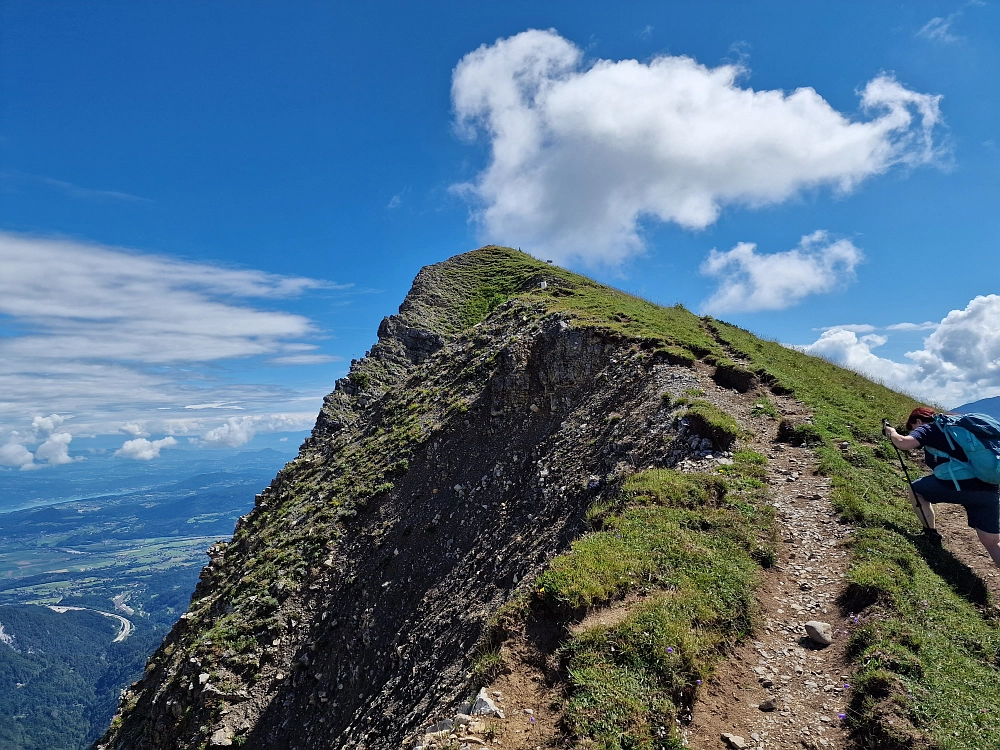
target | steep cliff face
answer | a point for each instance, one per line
(522, 446)
(444, 471)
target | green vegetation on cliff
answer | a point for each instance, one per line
(925, 647)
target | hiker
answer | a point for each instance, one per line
(980, 499)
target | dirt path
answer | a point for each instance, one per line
(962, 542)
(778, 689)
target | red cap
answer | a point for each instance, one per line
(925, 413)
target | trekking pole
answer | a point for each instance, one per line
(906, 473)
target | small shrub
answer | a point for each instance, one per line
(360, 380)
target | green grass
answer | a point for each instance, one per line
(709, 421)
(763, 407)
(699, 541)
(926, 649)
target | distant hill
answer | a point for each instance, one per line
(989, 406)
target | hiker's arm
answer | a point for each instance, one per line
(903, 442)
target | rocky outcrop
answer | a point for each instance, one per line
(443, 473)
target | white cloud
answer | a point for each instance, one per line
(15, 454)
(959, 361)
(95, 303)
(305, 359)
(581, 153)
(46, 425)
(142, 449)
(121, 338)
(239, 431)
(925, 326)
(134, 429)
(749, 282)
(856, 327)
(55, 449)
(939, 29)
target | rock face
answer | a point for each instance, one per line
(443, 473)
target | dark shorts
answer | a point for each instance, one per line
(981, 506)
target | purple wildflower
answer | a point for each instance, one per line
(841, 716)
(670, 649)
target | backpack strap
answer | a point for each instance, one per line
(952, 468)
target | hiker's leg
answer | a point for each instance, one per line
(992, 544)
(923, 509)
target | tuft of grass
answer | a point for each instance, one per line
(709, 421)
(699, 539)
(763, 406)
(486, 667)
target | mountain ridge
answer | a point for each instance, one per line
(507, 414)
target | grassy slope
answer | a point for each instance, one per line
(925, 653)
(700, 540)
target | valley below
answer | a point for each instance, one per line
(89, 587)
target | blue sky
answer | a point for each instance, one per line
(206, 210)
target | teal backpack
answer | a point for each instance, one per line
(978, 435)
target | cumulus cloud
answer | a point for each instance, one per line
(53, 448)
(15, 454)
(581, 152)
(749, 282)
(142, 449)
(47, 425)
(959, 361)
(239, 431)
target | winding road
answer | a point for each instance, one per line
(126, 625)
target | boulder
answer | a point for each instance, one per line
(819, 632)
(484, 706)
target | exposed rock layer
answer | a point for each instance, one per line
(443, 473)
